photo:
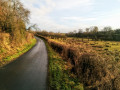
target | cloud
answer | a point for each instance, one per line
(68, 4)
(41, 9)
(113, 21)
(47, 23)
(79, 19)
(51, 3)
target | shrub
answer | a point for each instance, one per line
(92, 70)
(107, 46)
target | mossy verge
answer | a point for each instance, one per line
(60, 77)
(11, 58)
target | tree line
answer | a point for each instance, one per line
(51, 34)
(107, 34)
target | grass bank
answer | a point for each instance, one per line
(11, 56)
(60, 76)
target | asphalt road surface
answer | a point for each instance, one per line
(28, 72)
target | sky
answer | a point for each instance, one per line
(68, 15)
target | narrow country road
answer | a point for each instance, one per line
(28, 72)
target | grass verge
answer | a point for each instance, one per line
(60, 77)
(24, 49)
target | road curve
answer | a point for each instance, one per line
(28, 72)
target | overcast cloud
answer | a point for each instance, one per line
(68, 15)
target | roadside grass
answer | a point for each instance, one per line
(60, 76)
(19, 52)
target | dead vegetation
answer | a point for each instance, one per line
(9, 49)
(93, 70)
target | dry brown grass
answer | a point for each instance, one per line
(10, 47)
(93, 70)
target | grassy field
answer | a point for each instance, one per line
(95, 63)
(105, 48)
(60, 76)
